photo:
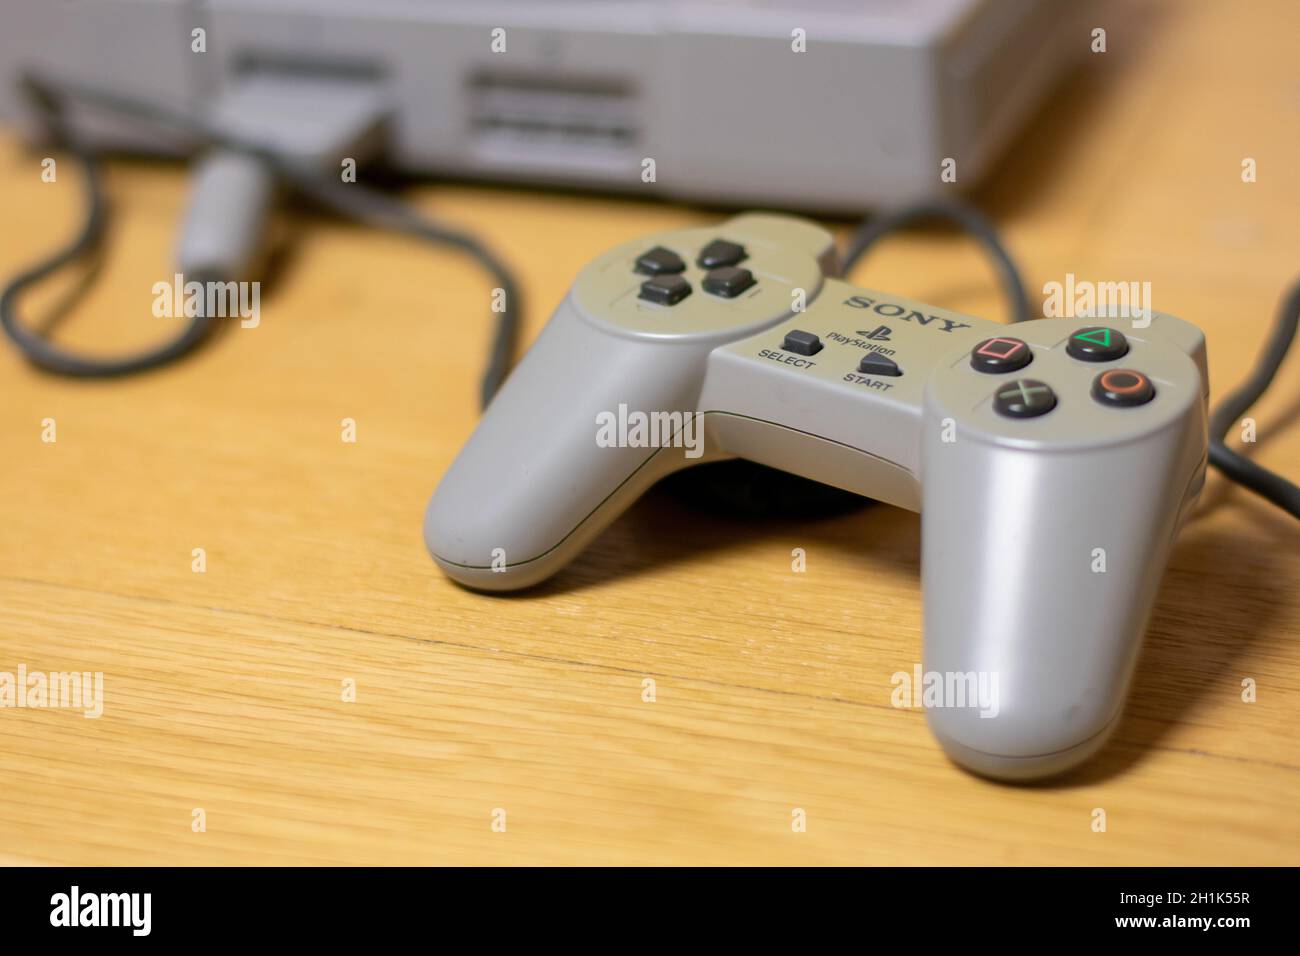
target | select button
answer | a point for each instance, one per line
(802, 343)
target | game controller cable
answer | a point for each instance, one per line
(380, 210)
(351, 200)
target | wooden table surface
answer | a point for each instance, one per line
(223, 689)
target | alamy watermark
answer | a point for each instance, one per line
(940, 689)
(635, 429)
(1082, 299)
(133, 911)
(218, 300)
(71, 690)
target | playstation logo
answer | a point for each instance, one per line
(879, 334)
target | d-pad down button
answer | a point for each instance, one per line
(665, 290)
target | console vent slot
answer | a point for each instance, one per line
(553, 114)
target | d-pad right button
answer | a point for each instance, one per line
(1097, 343)
(1000, 355)
(728, 281)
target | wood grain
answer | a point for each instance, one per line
(772, 688)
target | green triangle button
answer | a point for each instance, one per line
(1091, 336)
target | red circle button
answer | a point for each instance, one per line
(1123, 388)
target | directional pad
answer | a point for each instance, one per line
(651, 288)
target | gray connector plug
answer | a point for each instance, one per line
(311, 119)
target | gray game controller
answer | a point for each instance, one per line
(1052, 461)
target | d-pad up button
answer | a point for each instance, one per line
(801, 343)
(660, 261)
(1000, 355)
(720, 252)
(665, 290)
(1024, 398)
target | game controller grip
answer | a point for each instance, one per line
(1039, 571)
(532, 486)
